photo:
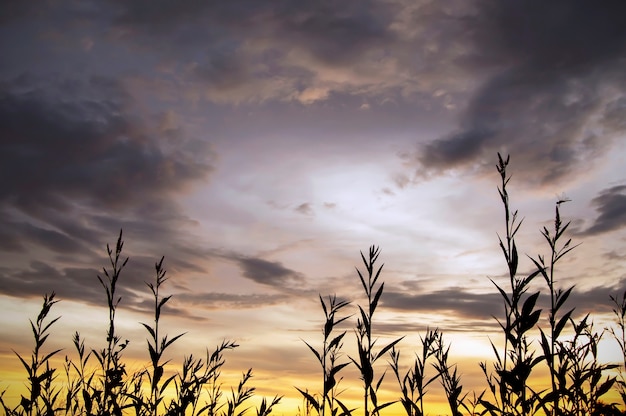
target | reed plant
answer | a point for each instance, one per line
(367, 356)
(557, 361)
(575, 372)
(449, 378)
(79, 380)
(576, 375)
(329, 360)
(157, 345)
(508, 383)
(43, 395)
(111, 397)
(198, 376)
(413, 382)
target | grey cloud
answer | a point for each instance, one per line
(84, 147)
(549, 60)
(446, 324)
(247, 45)
(458, 148)
(15, 233)
(611, 207)
(224, 70)
(614, 256)
(336, 32)
(219, 300)
(304, 208)
(269, 273)
(70, 146)
(614, 119)
(75, 167)
(559, 35)
(79, 284)
(481, 307)
(595, 300)
(458, 301)
(330, 30)
(15, 11)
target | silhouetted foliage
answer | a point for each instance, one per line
(566, 346)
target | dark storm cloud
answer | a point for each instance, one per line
(332, 31)
(269, 273)
(551, 61)
(85, 147)
(78, 284)
(484, 306)
(15, 233)
(224, 70)
(257, 47)
(76, 166)
(611, 207)
(336, 32)
(456, 300)
(81, 284)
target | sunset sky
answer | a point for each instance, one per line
(260, 145)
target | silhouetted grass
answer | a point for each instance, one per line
(413, 382)
(107, 390)
(328, 359)
(565, 348)
(367, 356)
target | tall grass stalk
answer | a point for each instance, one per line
(157, 344)
(413, 383)
(365, 341)
(557, 321)
(328, 359)
(575, 372)
(42, 398)
(513, 366)
(449, 377)
(78, 397)
(111, 400)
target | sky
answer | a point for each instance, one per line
(261, 145)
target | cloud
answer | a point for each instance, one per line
(614, 119)
(332, 31)
(85, 145)
(269, 273)
(76, 165)
(461, 303)
(455, 300)
(75, 283)
(221, 300)
(16, 233)
(251, 51)
(611, 207)
(304, 209)
(245, 51)
(553, 74)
